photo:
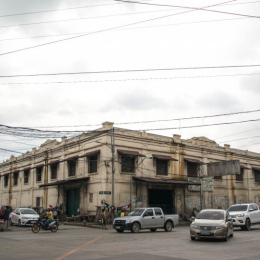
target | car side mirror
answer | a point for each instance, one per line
(229, 219)
(17, 213)
(251, 209)
(145, 215)
(192, 218)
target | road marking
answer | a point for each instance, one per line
(72, 251)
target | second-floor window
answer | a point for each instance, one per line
(26, 176)
(16, 176)
(72, 167)
(192, 169)
(54, 171)
(39, 174)
(92, 163)
(6, 178)
(127, 163)
(161, 167)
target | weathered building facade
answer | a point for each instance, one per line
(149, 170)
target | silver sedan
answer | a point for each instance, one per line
(212, 223)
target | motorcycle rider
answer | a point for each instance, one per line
(50, 217)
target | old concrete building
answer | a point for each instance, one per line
(149, 170)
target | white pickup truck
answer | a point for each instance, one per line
(145, 218)
(245, 215)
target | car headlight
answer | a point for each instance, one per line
(220, 227)
(241, 215)
(24, 218)
(194, 226)
(127, 221)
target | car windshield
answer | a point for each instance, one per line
(28, 211)
(213, 215)
(238, 208)
(136, 212)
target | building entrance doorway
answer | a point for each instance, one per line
(72, 204)
(162, 199)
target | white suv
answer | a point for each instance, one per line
(244, 215)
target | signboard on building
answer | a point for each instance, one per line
(105, 192)
(223, 168)
(207, 184)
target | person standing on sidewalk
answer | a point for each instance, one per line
(103, 219)
(6, 216)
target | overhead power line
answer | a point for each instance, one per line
(105, 30)
(148, 121)
(129, 71)
(93, 17)
(235, 140)
(56, 10)
(83, 18)
(131, 28)
(3, 149)
(121, 80)
(192, 8)
(196, 126)
(90, 6)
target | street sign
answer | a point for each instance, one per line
(104, 192)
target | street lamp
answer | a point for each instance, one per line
(131, 178)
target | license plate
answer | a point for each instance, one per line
(205, 232)
(117, 227)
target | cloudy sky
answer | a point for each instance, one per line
(120, 62)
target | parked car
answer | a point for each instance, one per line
(2, 210)
(245, 215)
(23, 217)
(212, 223)
(145, 218)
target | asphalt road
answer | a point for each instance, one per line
(72, 242)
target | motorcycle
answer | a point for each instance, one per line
(41, 224)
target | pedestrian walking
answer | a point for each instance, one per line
(6, 216)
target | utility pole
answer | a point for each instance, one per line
(113, 164)
(132, 177)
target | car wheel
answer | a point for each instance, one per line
(247, 225)
(153, 229)
(19, 223)
(11, 223)
(135, 228)
(193, 238)
(168, 226)
(119, 230)
(226, 237)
